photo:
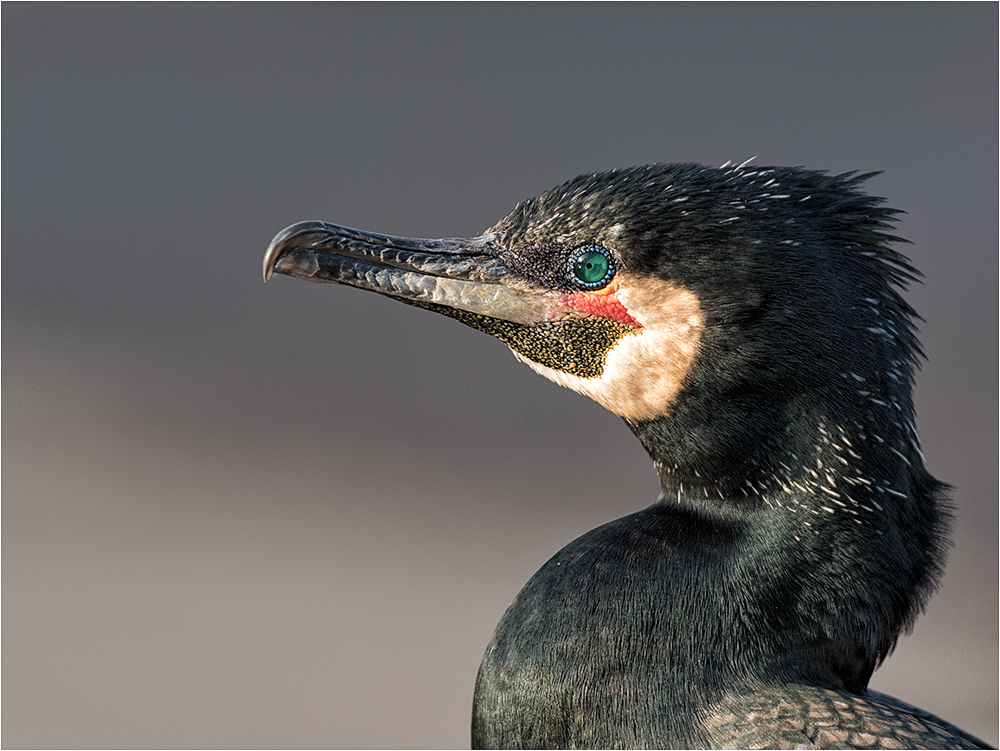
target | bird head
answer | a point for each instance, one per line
(704, 306)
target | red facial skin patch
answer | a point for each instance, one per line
(603, 303)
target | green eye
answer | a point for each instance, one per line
(592, 267)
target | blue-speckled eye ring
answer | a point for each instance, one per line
(591, 267)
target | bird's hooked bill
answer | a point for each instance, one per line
(460, 274)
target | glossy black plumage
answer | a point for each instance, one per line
(754, 340)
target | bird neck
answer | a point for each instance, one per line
(841, 521)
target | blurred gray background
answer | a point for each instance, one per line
(290, 515)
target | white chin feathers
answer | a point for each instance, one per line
(644, 372)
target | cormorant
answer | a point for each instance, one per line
(747, 325)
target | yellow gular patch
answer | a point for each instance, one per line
(645, 370)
